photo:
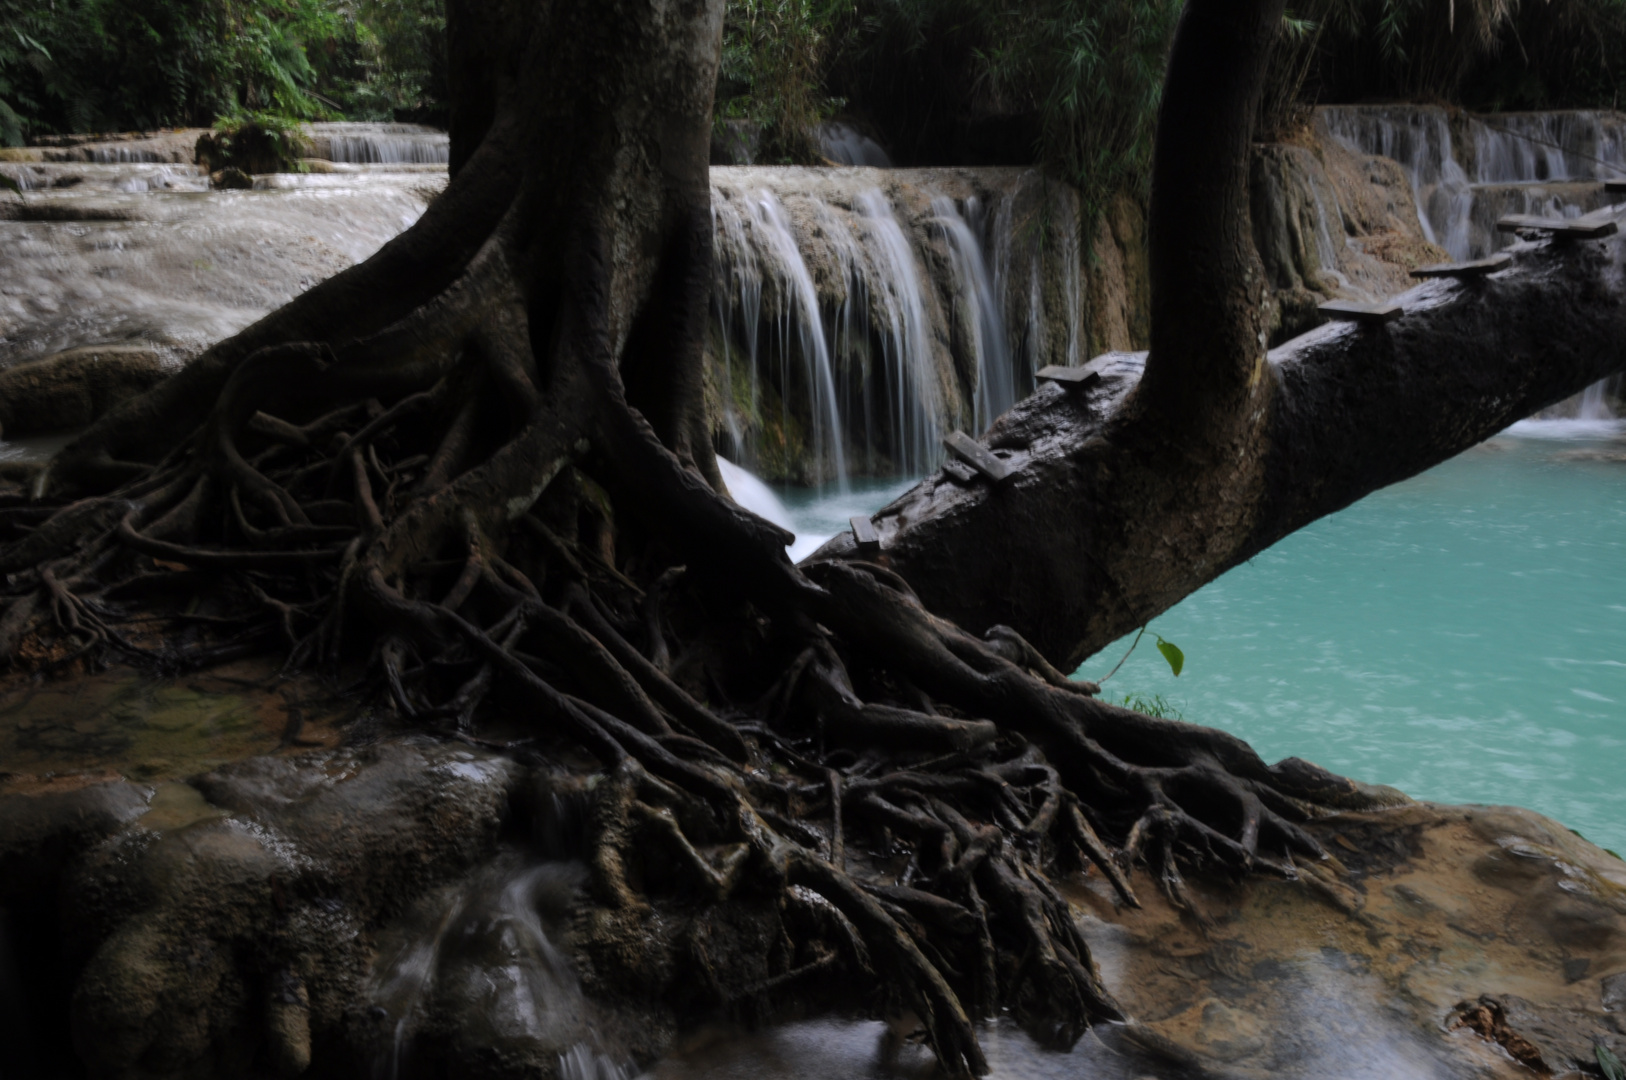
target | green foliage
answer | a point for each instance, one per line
(89, 65)
(775, 53)
(1094, 68)
(1079, 79)
(1171, 653)
(1608, 1063)
(255, 142)
(1154, 705)
(400, 65)
(1485, 54)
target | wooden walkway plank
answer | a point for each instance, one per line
(1616, 186)
(1581, 228)
(1073, 378)
(1348, 311)
(1473, 269)
(978, 456)
(865, 535)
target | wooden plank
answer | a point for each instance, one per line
(1616, 186)
(1581, 228)
(1349, 311)
(978, 456)
(1073, 378)
(1473, 269)
(864, 533)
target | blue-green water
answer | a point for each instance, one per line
(1461, 636)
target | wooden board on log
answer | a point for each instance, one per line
(1073, 378)
(1472, 269)
(1348, 311)
(978, 456)
(864, 533)
(1581, 228)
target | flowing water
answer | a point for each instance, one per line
(1468, 172)
(96, 254)
(1460, 636)
(863, 313)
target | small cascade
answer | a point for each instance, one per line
(996, 380)
(844, 144)
(755, 496)
(1419, 138)
(122, 154)
(1467, 172)
(911, 383)
(856, 325)
(1541, 163)
(389, 144)
(1517, 148)
(479, 964)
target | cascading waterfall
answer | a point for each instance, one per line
(391, 144)
(487, 945)
(996, 375)
(1509, 164)
(1513, 163)
(1419, 138)
(857, 325)
(910, 374)
(797, 327)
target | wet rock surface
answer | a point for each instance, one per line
(73, 388)
(101, 254)
(412, 908)
(1452, 942)
(217, 930)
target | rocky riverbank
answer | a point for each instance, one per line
(402, 906)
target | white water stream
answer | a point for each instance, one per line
(862, 314)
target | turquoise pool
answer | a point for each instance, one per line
(1461, 636)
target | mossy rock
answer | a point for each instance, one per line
(74, 388)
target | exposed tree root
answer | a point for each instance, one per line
(495, 489)
(484, 533)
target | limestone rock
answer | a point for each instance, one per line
(72, 389)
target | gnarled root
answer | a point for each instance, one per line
(496, 533)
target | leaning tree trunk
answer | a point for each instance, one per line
(478, 464)
(1186, 461)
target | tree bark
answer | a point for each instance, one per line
(475, 466)
(1112, 517)
(1193, 458)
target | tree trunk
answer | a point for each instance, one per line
(477, 468)
(1117, 511)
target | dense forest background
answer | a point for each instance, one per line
(1070, 82)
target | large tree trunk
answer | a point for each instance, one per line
(478, 465)
(1122, 506)
(1187, 461)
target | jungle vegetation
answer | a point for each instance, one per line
(1073, 83)
(113, 65)
(476, 471)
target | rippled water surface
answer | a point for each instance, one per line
(1461, 636)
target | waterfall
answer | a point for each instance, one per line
(995, 389)
(844, 144)
(1419, 138)
(763, 227)
(390, 144)
(1544, 163)
(910, 376)
(857, 322)
(479, 955)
